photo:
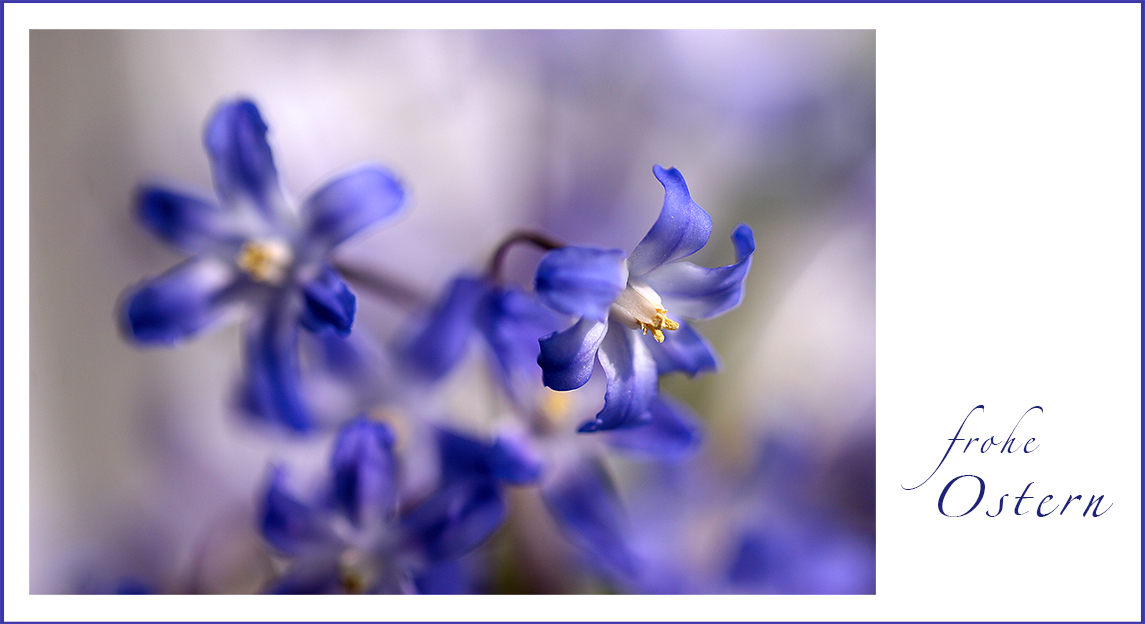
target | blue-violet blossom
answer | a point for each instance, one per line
(357, 535)
(508, 320)
(251, 248)
(618, 298)
(510, 323)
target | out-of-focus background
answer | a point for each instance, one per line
(136, 458)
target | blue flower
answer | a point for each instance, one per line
(356, 535)
(509, 322)
(798, 520)
(810, 526)
(567, 468)
(618, 298)
(587, 508)
(251, 249)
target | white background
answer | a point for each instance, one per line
(1008, 275)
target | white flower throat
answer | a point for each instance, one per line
(265, 260)
(640, 307)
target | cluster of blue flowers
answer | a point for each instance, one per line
(367, 524)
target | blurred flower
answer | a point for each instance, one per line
(509, 321)
(776, 527)
(616, 297)
(583, 500)
(796, 530)
(536, 446)
(355, 535)
(251, 248)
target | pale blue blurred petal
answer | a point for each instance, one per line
(364, 197)
(242, 164)
(179, 303)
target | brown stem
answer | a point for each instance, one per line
(536, 239)
(386, 286)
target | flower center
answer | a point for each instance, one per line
(265, 260)
(353, 575)
(639, 307)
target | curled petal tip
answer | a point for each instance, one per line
(744, 240)
(670, 176)
(681, 230)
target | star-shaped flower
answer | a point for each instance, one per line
(621, 297)
(253, 249)
(357, 535)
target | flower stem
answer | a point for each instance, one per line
(385, 286)
(536, 239)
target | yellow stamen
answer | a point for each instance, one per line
(264, 261)
(659, 322)
(638, 307)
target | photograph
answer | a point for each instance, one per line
(551, 312)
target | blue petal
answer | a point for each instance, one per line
(271, 387)
(188, 223)
(672, 433)
(681, 230)
(288, 524)
(344, 356)
(455, 520)
(507, 460)
(512, 322)
(755, 559)
(365, 471)
(586, 507)
(683, 350)
(241, 161)
(178, 304)
(462, 457)
(581, 281)
(515, 461)
(567, 356)
(446, 578)
(444, 337)
(631, 374)
(697, 292)
(366, 196)
(329, 303)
